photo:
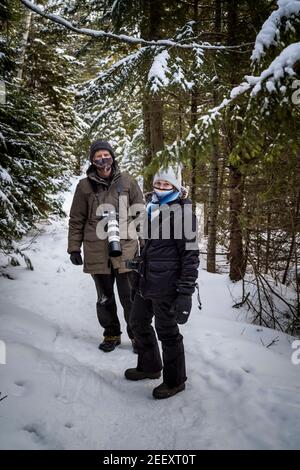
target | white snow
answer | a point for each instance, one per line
(63, 393)
(5, 176)
(42, 42)
(279, 68)
(118, 37)
(159, 71)
(282, 65)
(178, 76)
(3, 197)
(270, 32)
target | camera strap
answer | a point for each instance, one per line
(119, 186)
(94, 185)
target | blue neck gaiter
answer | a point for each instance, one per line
(162, 197)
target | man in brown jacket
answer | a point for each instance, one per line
(103, 185)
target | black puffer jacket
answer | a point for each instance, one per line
(170, 266)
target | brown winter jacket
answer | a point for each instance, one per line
(90, 193)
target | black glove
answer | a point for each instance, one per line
(182, 308)
(75, 258)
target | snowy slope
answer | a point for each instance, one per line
(63, 393)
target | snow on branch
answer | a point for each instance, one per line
(159, 71)
(110, 80)
(5, 176)
(281, 66)
(122, 37)
(166, 71)
(124, 62)
(270, 32)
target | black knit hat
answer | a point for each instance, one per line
(100, 145)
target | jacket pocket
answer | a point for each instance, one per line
(163, 264)
(161, 277)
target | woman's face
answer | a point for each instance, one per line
(163, 185)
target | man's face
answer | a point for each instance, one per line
(103, 161)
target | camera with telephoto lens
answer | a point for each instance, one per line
(113, 233)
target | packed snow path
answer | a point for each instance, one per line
(63, 393)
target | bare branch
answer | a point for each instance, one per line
(240, 304)
(122, 37)
(2, 398)
(274, 341)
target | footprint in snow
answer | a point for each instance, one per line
(18, 388)
(69, 425)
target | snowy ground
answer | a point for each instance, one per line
(63, 393)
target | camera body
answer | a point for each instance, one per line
(135, 264)
(132, 264)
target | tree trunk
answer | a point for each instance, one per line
(223, 165)
(218, 16)
(213, 206)
(153, 131)
(213, 176)
(194, 103)
(147, 140)
(236, 255)
(24, 42)
(295, 217)
(268, 241)
(152, 103)
(194, 106)
(205, 210)
(156, 124)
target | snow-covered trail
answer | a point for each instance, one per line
(63, 393)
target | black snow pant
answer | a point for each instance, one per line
(106, 304)
(149, 359)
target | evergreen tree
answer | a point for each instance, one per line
(37, 125)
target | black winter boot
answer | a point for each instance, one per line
(134, 374)
(163, 391)
(109, 343)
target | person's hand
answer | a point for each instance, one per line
(182, 307)
(76, 258)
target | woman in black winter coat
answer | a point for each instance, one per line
(168, 269)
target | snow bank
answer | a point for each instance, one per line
(63, 393)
